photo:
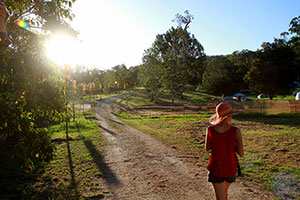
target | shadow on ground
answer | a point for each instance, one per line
(279, 119)
(108, 174)
(109, 131)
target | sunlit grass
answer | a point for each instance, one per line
(271, 143)
(137, 100)
(76, 168)
(197, 97)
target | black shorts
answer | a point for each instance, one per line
(215, 179)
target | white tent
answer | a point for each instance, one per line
(298, 96)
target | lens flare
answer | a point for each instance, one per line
(23, 24)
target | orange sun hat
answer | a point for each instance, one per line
(223, 110)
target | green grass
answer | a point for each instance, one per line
(197, 97)
(271, 143)
(136, 100)
(93, 99)
(183, 132)
(78, 162)
(142, 99)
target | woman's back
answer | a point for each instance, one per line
(223, 159)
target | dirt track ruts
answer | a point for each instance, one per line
(141, 167)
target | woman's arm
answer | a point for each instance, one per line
(239, 143)
(207, 144)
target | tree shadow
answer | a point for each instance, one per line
(51, 186)
(279, 119)
(90, 117)
(73, 184)
(108, 174)
(105, 129)
(64, 140)
(116, 122)
(96, 197)
(123, 106)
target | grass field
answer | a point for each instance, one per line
(271, 142)
(78, 162)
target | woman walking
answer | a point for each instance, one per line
(223, 141)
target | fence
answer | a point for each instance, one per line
(263, 107)
(269, 106)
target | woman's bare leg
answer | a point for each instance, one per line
(219, 191)
(226, 186)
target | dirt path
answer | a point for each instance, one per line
(140, 167)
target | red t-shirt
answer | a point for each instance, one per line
(223, 159)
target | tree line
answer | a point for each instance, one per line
(103, 81)
(176, 61)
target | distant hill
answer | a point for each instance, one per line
(209, 58)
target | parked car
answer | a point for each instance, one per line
(261, 96)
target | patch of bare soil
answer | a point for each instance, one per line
(138, 166)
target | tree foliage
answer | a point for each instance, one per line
(217, 78)
(175, 59)
(150, 74)
(294, 41)
(119, 77)
(273, 69)
(31, 92)
(241, 61)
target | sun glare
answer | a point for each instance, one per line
(63, 50)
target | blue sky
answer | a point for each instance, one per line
(118, 31)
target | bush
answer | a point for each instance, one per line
(31, 99)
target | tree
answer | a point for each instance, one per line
(217, 77)
(294, 30)
(31, 92)
(123, 76)
(241, 61)
(150, 74)
(47, 15)
(294, 41)
(273, 69)
(179, 56)
(193, 58)
(134, 71)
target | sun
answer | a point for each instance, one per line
(63, 49)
